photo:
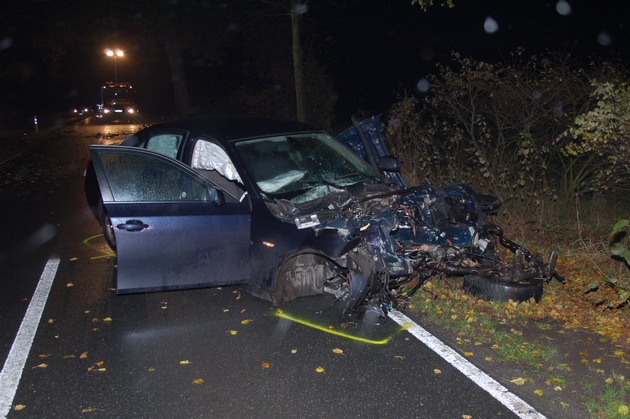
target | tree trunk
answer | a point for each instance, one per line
(298, 69)
(178, 77)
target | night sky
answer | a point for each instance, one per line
(374, 50)
(392, 48)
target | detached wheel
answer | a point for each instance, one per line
(491, 289)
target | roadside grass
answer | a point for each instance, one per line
(479, 322)
(607, 404)
(534, 342)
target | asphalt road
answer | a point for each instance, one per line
(199, 353)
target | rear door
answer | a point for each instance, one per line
(172, 228)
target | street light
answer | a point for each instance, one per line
(114, 53)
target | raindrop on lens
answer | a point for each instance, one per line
(423, 85)
(490, 25)
(563, 8)
(604, 39)
(6, 42)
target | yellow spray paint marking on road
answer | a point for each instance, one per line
(106, 253)
(326, 329)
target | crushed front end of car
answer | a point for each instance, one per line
(361, 235)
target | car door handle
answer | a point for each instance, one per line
(132, 225)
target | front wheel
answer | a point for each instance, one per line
(492, 289)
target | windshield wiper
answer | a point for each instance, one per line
(322, 182)
(361, 177)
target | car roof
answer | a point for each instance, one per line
(236, 127)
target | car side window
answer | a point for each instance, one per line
(165, 143)
(145, 178)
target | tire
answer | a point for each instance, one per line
(106, 224)
(491, 289)
(92, 192)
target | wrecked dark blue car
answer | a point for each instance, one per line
(284, 211)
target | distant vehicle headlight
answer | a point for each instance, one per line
(130, 110)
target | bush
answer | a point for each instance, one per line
(527, 130)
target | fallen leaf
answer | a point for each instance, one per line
(225, 310)
(619, 353)
(184, 362)
(338, 351)
(51, 321)
(69, 357)
(74, 259)
(319, 369)
(399, 357)
(519, 381)
(41, 366)
(265, 365)
(243, 311)
(107, 319)
(294, 351)
(609, 380)
(468, 354)
(623, 410)
(232, 332)
(557, 388)
(246, 321)
(44, 356)
(538, 392)
(597, 360)
(466, 417)
(19, 407)
(564, 405)
(69, 284)
(437, 371)
(198, 381)
(91, 409)
(151, 369)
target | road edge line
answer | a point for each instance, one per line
(514, 403)
(14, 365)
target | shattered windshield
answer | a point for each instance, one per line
(303, 167)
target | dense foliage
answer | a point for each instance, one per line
(528, 130)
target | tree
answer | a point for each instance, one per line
(426, 4)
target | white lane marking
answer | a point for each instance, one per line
(483, 380)
(14, 365)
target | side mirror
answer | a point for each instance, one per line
(389, 164)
